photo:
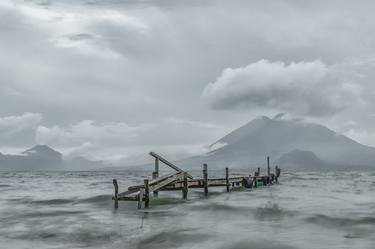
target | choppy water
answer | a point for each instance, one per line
(74, 210)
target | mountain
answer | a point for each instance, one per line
(43, 157)
(40, 157)
(249, 145)
(301, 159)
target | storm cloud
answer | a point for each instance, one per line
(302, 88)
(119, 78)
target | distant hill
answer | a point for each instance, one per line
(301, 159)
(43, 157)
(249, 145)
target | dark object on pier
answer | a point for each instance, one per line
(181, 180)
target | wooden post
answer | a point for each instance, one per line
(115, 197)
(264, 179)
(140, 198)
(277, 173)
(205, 179)
(257, 173)
(268, 167)
(255, 181)
(185, 187)
(157, 166)
(227, 178)
(147, 193)
(154, 176)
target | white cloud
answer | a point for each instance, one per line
(303, 88)
(87, 131)
(11, 125)
(119, 141)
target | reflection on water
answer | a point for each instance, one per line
(74, 210)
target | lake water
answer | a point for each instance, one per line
(74, 210)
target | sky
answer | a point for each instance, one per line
(114, 79)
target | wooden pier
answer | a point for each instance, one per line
(182, 180)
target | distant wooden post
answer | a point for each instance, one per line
(268, 167)
(255, 181)
(185, 187)
(257, 173)
(277, 173)
(115, 197)
(227, 178)
(205, 179)
(147, 193)
(140, 198)
(264, 179)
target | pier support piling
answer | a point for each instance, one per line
(115, 196)
(147, 193)
(205, 179)
(227, 178)
(155, 174)
(140, 198)
(185, 187)
(257, 173)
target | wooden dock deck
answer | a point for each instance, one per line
(182, 180)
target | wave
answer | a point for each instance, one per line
(96, 199)
(272, 211)
(340, 221)
(52, 201)
(172, 239)
(245, 244)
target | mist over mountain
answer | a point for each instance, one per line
(43, 157)
(291, 143)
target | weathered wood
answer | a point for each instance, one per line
(171, 165)
(264, 180)
(205, 179)
(257, 173)
(115, 196)
(147, 193)
(276, 174)
(185, 187)
(167, 180)
(140, 198)
(157, 165)
(155, 175)
(180, 180)
(227, 178)
(255, 182)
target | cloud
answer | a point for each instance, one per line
(88, 131)
(11, 125)
(303, 88)
(117, 141)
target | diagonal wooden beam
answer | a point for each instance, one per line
(171, 165)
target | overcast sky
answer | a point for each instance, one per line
(114, 79)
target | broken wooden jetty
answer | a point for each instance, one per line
(182, 180)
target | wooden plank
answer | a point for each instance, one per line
(163, 160)
(160, 184)
(128, 193)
